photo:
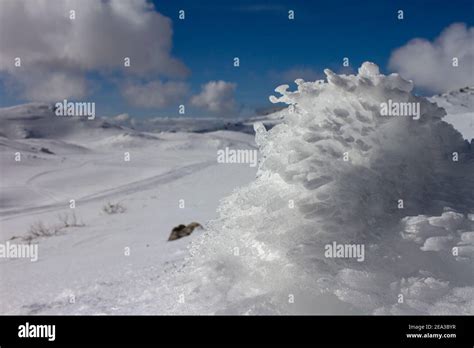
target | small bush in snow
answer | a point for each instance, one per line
(113, 208)
(38, 229)
(69, 220)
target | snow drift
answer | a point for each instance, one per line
(335, 170)
(459, 105)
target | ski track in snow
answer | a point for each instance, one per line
(122, 190)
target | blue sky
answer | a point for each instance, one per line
(322, 33)
(269, 45)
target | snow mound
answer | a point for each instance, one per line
(459, 105)
(127, 140)
(458, 101)
(336, 171)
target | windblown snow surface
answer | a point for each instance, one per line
(75, 158)
(459, 105)
(260, 254)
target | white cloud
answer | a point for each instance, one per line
(56, 49)
(155, 94)
(119, 120)
(429, 64)
(217, 97)
(51, 86)
(121, 117)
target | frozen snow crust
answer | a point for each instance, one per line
(266, 252)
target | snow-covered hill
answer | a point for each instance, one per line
(459, 106)
(171, 178)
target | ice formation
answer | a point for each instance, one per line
(335, 170)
